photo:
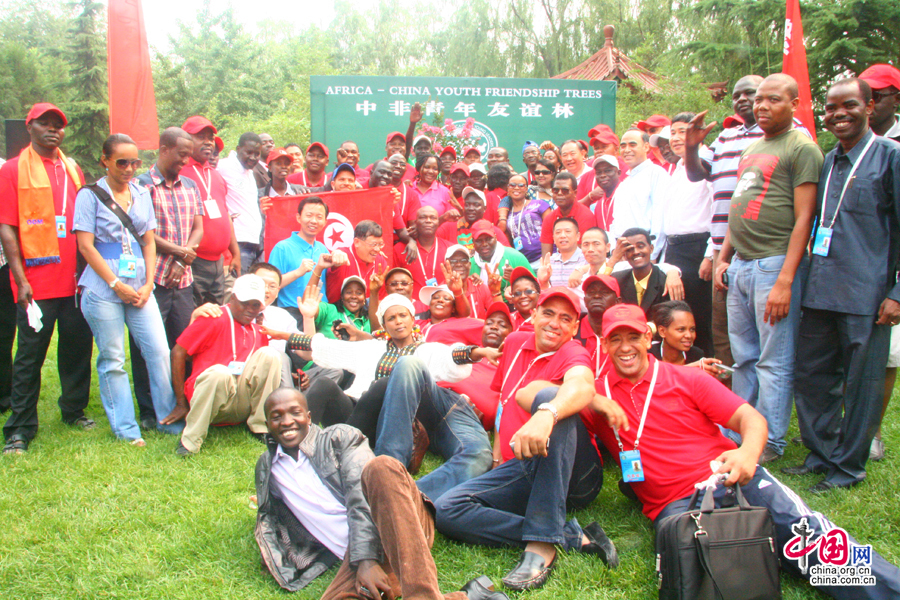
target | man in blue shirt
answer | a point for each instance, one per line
(852, 297)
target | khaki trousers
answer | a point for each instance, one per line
(220, 397)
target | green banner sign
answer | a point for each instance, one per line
(506, 112)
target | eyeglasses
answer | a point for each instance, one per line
(124, 163)
(559, 190)
(543, 172)
(879, 96)
(521, 293)
(376, 246)
(517, 185)
(458, 261)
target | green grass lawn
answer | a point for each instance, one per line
(86, 516)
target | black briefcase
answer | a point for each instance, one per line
(717, 554)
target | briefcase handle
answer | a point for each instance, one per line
(709, 502)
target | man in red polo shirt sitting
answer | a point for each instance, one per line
(681, 444)
(540, 463)
(218, 231)
(233, 368)
(364, 257)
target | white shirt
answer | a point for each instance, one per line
(279, 319)
(584, 171)
(690, 205)
(562, 269)
(304, 493)
(893, 132)
(242, 198)
(641, 202)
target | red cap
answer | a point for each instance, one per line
(624, 315)
(318, 145)
(881, 76)
(42, 108)
(468, 149)
(394, 134)
(449, 149)
(482, 227)
(732, 121)
(606, 280)
(276, 153)
(498, 307)
(523, 272)
(654, 121)
(460, 167)
(220, 145)
(600, 127)
(196, 124)
(606, 137)
(584, 145)
(561, 291)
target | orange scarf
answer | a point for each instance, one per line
(37, 210)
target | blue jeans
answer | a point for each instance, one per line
(763, 353)
(107, 320)
(456, 433)
(787, 508)
(522, 501)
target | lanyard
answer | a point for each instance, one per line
(524, 373)
(606, 209)
(846, 184)
(206, 181)
(597, 353)
(65, 185)
(233, 345)
(433, 266)
(646, 407)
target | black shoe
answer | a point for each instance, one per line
(259, 436)
(530, 572)
(768, 455)
(600, 545)
(82, 422)
(149, 423)
(825, 486)
(482, 588)
(797, 440)
(16, 444)
(181, 450)
(802, 469)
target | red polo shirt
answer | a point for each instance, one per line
(579, 212)
(55, 280)
(362, 176)
(600, 363)
(216, 220)
(521, 364)
(480, 299)
(426, 266)
(459, 232)
(406, 207)
(304, 179)
(454, 330)
(680, 435)
(477, 387)
(208, 342)
(356, 266)
(493, 198)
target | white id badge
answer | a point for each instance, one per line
(127, 266)
(431, 282)
(236, 367)
(212, 209)
(822, 243)
(60, 226)
(632, 468)
(517, 242)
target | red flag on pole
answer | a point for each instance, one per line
(795, 63)
(132, 103)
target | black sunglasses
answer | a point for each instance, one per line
(124, 163)
(543, 172)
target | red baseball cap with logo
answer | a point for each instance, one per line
(520, 272)
(449, 150)
(482, 227)
(881, 76)
(468, 149)
(500, 307)
(42, 108)
(460, 167)
(606, 280)
(393, 135)
(220, 145)
(276, 153)
(654, 121)
(600, 127)
(732, 121)
(606, 137)
(563, 292)
(318, 145)
(624, 315)
(196, 124)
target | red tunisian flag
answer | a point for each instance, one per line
(345, 210)
(132, 103)
(795, 63)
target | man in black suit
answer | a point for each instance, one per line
(644, 284)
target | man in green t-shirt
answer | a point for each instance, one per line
(764, 255)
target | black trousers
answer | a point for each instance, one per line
(7, 336)
(209, 281)
(686, 252)
(176, 307)
(73, 359)
(329, 405)
(838, 389)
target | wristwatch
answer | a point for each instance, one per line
(112, 284)
(550, 409)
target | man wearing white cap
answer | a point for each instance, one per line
(660, 141)
(234, 370)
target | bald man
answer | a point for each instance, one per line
(764, 256)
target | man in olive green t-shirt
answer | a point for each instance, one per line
(764, 255)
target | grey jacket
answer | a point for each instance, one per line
(338, 454)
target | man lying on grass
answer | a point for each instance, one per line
(323, 495)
